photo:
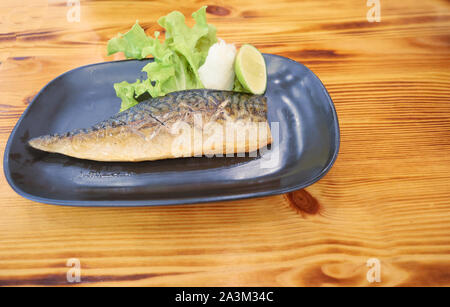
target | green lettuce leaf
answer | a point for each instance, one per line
(176, 60)
(238, 87)
(131, 43)
(126, 92)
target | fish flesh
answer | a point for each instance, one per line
(181, 124)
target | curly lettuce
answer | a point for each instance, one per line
(176, 60)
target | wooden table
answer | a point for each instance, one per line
(387, 197)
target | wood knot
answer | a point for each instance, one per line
(217, 10)
(303, 201)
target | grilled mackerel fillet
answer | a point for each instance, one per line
(180, 124)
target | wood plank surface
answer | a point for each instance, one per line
(387, 197)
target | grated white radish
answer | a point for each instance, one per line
(218, 70)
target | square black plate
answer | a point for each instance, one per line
(307, 145)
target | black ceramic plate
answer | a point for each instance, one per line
(307, 145)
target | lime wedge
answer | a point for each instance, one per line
(250, 69)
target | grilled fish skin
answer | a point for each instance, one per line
(180, 124)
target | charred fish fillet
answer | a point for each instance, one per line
(180, 124)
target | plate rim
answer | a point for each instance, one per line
(184, 201)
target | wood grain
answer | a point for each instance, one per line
(387, 197)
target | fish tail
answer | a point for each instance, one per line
(46, 143)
